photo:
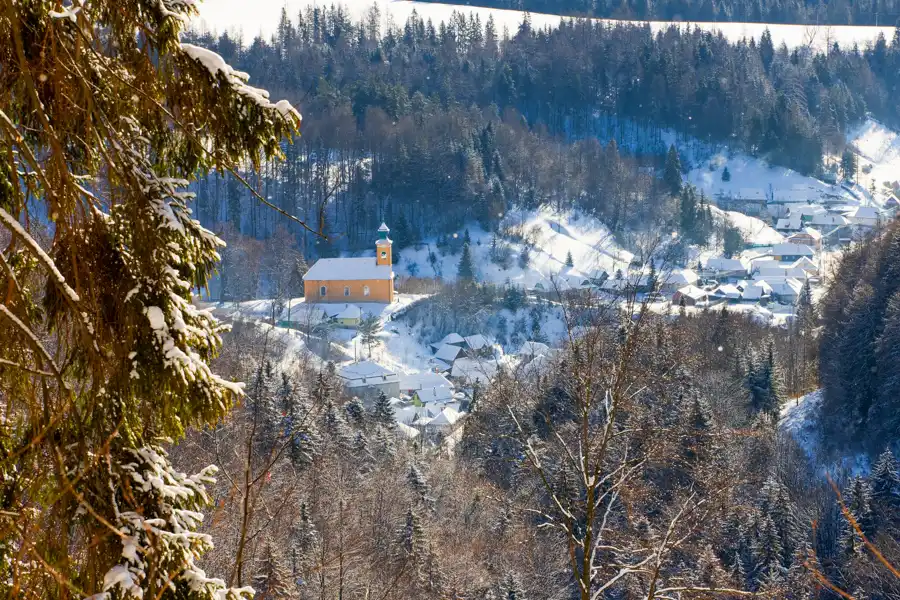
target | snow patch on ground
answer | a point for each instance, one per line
(798, 418)
(880, 147)
(234, 15)
(755, 230)
(753, 173)
(555, 235)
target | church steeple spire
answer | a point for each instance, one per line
(383, 247)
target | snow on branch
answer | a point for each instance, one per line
(164, 532)
(216, 66)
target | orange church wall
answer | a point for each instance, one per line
(380, 290)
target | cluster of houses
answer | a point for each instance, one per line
(833, 224)
(431, 403)
(466, 358)
(422, 402)
(774, 275)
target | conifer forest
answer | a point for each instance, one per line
(640, 338)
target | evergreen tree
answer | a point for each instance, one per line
(848, 164)
(726, 175)
(417, 482)
(733, 241)
(401, 234)
(672, 172)
(383, 412)
(858, 502)
(273, 579)
(106, 128)
(764, 383)
(356, 413)
(525, 257)
(569, 261)
(885, 482)
(466, 270)
(511, 588)
(304, 540)
(369, 328)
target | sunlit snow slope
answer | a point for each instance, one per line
(261, 16)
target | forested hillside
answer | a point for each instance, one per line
(861, 345)
(433, 124)
(840, 12)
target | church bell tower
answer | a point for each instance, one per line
(383, 247)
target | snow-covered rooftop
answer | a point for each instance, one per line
(447, 353)
(451, 338)
(477, 341)
(366, 372)
(435, 394)
(447, 418)
(725, 264)
(350, 312)
(531, 348)
(792, 250)
(418, 381)
(406, 431)
(472, 370)
(348, 269)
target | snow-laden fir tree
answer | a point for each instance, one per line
(466, 269)
(105, 118)
(383, 412)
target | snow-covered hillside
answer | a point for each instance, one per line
(751, 173)
(878, 146)
(554, 236)
(262, 17)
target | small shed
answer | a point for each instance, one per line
(692, 296)
(350, 316)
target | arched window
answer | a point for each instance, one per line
(365, 290)
(346, 290)
(384, 254)
(323, 291)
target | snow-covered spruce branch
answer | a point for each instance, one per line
(163, 532)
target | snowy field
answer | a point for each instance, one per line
(749, 172)
(261, 17)
(878, 146)
(554, 236)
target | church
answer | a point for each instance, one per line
(353, 279)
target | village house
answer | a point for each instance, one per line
(448, 353)
(806, 237)
(470, 370)
(432, 395)
(726, 269)
(349, 317)
(690, 295)
(757, 291)
(828, 221)
(353, 279)
(674, 281)
(785, 290)
(791, 252)
(367, 379)
(808, 266)
(863, 216)
(729, 293)
(418, 381)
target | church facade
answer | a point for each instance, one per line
(353, 279)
